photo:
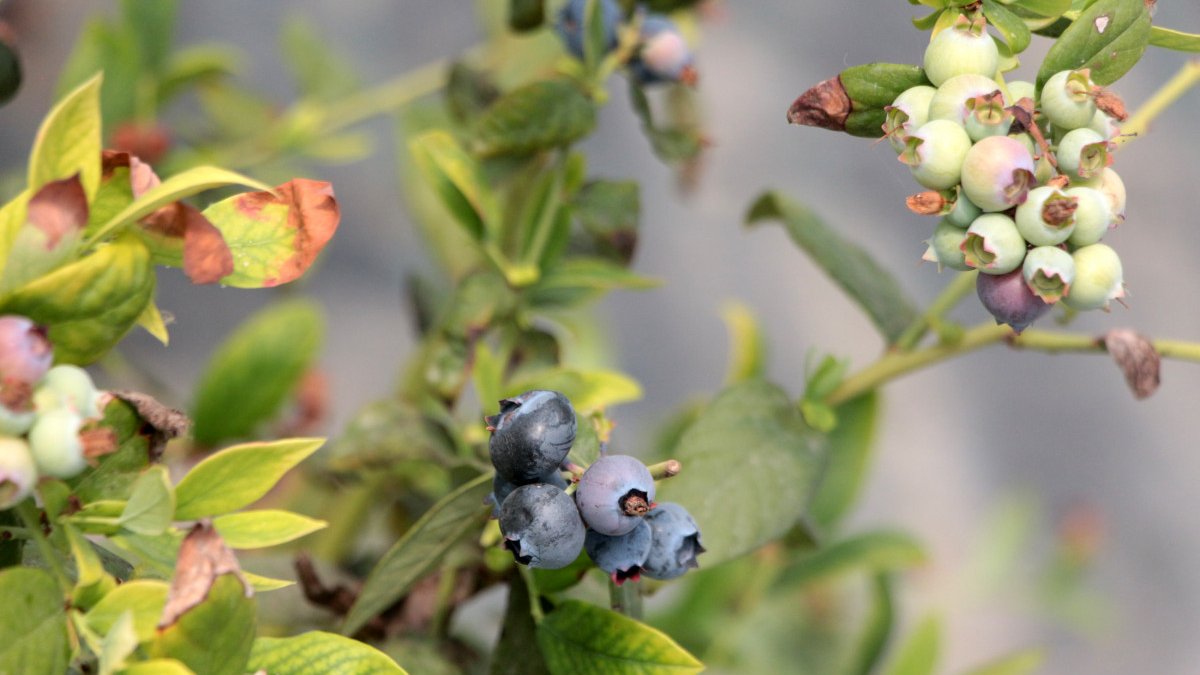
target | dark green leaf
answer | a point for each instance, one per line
(578, 279)
(517, 651)
(928, 21)
(215, 636)
(33, 623)
(847, 460)
(549, 582)
(419, 550)
(539, 116)
(749, 465)
(526, 15)
(919, 654)
(480, 300)
(610, 211)
(868, 284)
(874, 638)
(117, 471)
(193, 66)
(469, 91)
(318, 653)
(1108, 38)
(595, 34)
(1046, 8)
(151, 23)
(385, 433)
(1174, 39)
(872, 552)
(1010, 26)
(875, 85)
(251, 375)
(581, 638)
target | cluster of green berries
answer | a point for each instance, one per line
(661, 55)
(1020, 178)
(611, 515)
(42, 410)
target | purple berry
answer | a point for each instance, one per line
(663, 55)
(622, 556)
(614, 493)
(541, 526)
(531, 435)
(1008, 298)
(997, 173)
(25, 353)
(675, 542)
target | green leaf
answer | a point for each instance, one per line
(49, 236)
(540, 116)
(595, 42)
(145, 598)
(118, 644)
(846, 460)
(317, 653)
(269, 527)
(526, 15)
(919, 654)
(318, 72)
(238, 476)
(262, 584)
(852, 268)
(1045, 8)
(587, 389)
(92, 581)
(747, 348)
(580, 638)
(577, 279)
(33, 623)
(1173, 39)
(419, 550)
(881, 617)
(749, 464)
(1021, 663)
(117, 471)
(1108, 37)
(90, 304)
(251, 375)
(157, 667)
(151, 503)
(516, 651)
(1010, 26)
(68, 142)
(152, 24)
(871, 552)
(155, 554)
(214, 637)
(457, 178)
(610, 211)
(195, 65)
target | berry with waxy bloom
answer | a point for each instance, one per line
(997, 173)
(950, 100)
(1019, 89)
(934, 153)
(664, 55)
(675, 542)
(25, 352)
(614, 493)
(541, 526)
(1047, 217)
(70, 387)
(946, 247)
(502, 487)
(1008, 299)
(531, 435)
(907, 113)
(1098, 278)
(1048, 271)
(1093, 216)
(993, 244)
(1083, 153)
(621, 556)
(964, 48)
(1067, 99)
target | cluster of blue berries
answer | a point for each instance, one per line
(42, 410)
(611, 515)
(1020, 177)
(661, 55)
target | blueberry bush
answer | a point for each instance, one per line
(130, 525)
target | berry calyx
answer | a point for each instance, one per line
(987, 116)
(1048, 271)
(950, 100)
(1047, 217)
(993, 244)
(1067, 99)
(1083, 153)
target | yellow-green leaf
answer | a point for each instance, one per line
(581, 638)
(151, 503)
(268, 527)
(32, 621)
(68, 142)
(238, 476)
(215, 636)
(118, 644)
(747, 348)
(458, 179)
(157, 667)
(587, 389)
(151, 319)
(318, 653)
(145, 598)
(262, 584)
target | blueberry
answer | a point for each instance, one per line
(502, 487)
(963, 48)
(69, 387)
(541, 526)
(1067, 101)
(55, 443)
(531, 435)
(18, 474)
(621, 557)
(663, 55)
(614, 493)
(1008, 299)
(25, 353)
(675, 542)
(935, 153)
(997, 173)
(571, 22)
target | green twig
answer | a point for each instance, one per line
(14, 532)
(535, 602)
(625, 599)
(1184, 79)
(954, 292)
(30, 516)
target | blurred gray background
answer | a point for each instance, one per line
(956, 441)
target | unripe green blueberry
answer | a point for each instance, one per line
(906, 114)
(18, 473)
(997, 173)
(1019, 89)
(1049, 272)
(15, 422)
(946, 247)
(935, 152)
(1047, 217)
(965, 48)
(961, 211)
(1108, 127)
(1066, 99)
(950, 100)
(993, 245)
(1098, 278)
(1082, 153)
(1093, 217)
(987, 116)
(1113, 189)
(55, 443)
(70, 387)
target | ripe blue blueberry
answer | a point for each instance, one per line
(614, 494)
(541, 526)
(1008, 299)
(622, 556)
(531, 435)
(571, 20)
(675, 542)
(663, 55)
(502, 487)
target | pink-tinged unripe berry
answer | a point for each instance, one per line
(906, 114)
(1098, 278)
(997, 173)
(1049, 272)
(950, 101)
(1008, 299)
(18, 473)
(946, 247)
(935, 152)
(1093, 217)
(1082, 153)
(1067, 101)
(56, 445)
(1047, 217)
(1019, 89)
(987, 116)
(25, 352)
(993, 245)
(965, 48)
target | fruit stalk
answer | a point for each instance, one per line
(1184, 79)
(626, 599)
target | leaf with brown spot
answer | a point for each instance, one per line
(275, 236)
(1137, 358)
(203, 556)
(206, 257)
(54, 220)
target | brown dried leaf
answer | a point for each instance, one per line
(141, 176)
(206, 257)
(313, 213)
(203, 556)
(166, 422)
(59, 209)
(1137, 358)
(928, 203)
(826, 105)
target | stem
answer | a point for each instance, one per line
(666, 469)
(950, 296)
(535, 602)
(29, 514)
(1185, 78)
(625, 599)
(15, 532)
